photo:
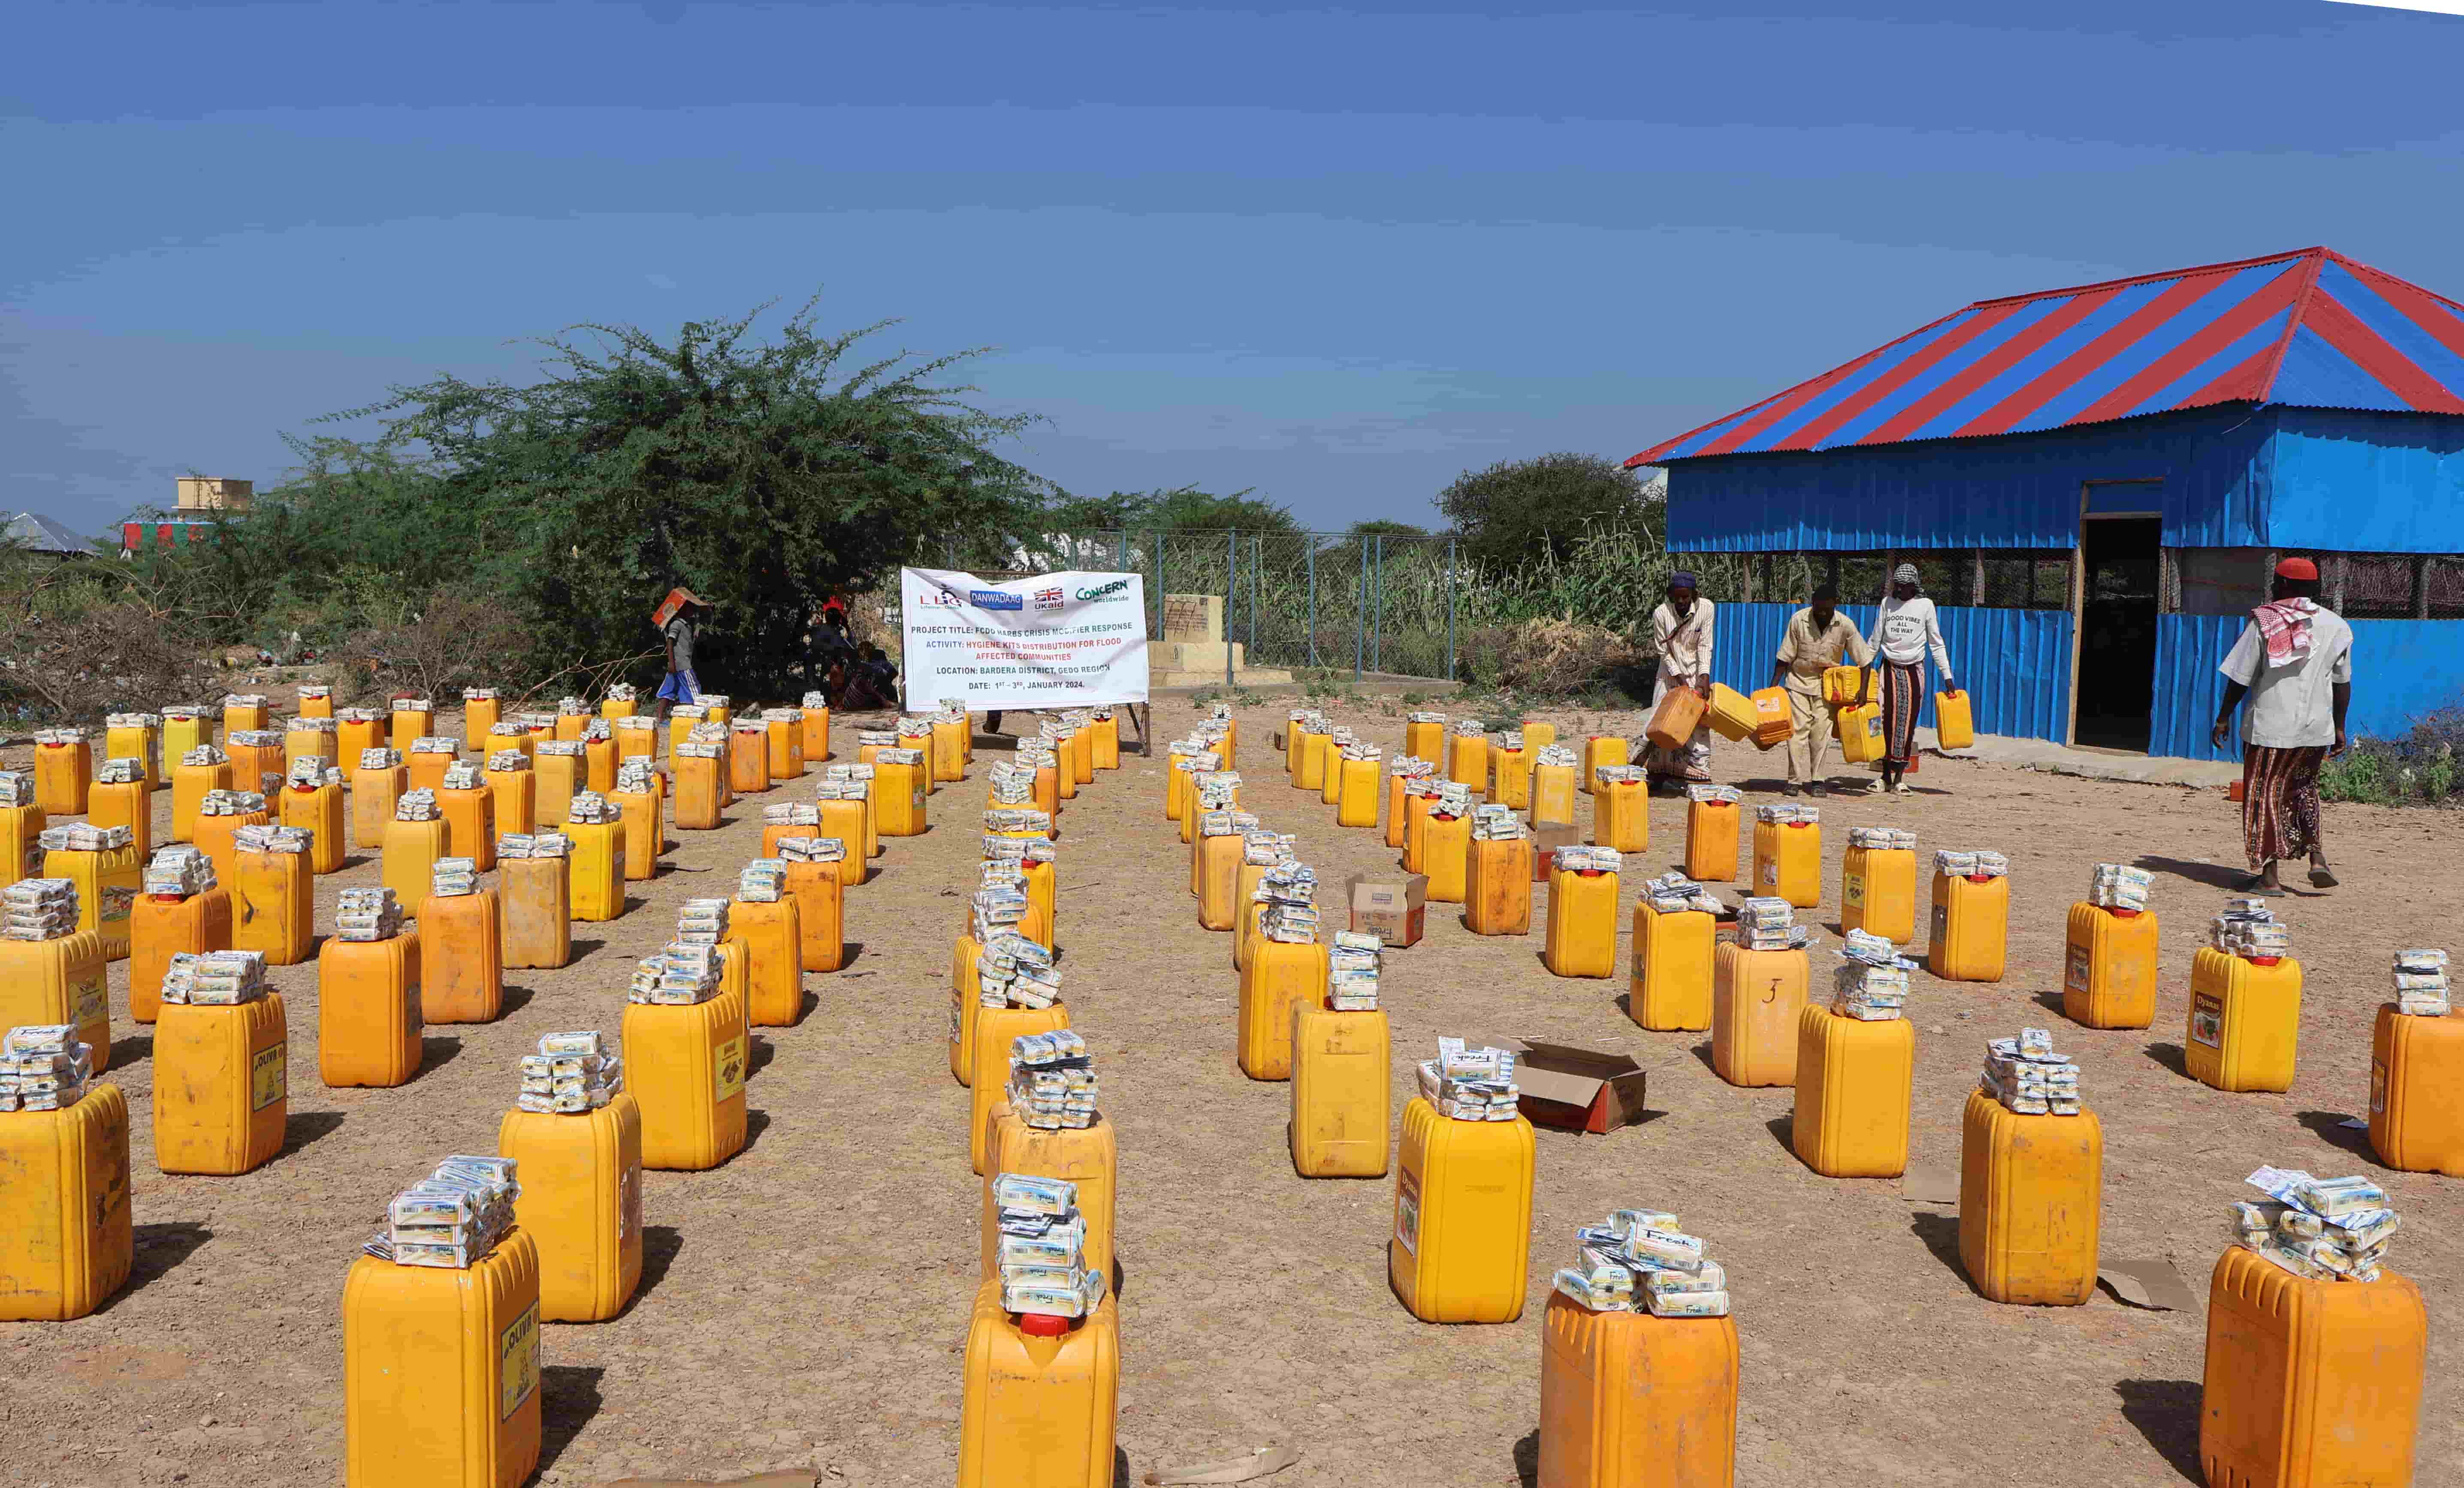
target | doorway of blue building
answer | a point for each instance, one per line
(2120, 595)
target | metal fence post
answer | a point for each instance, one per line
(1121, 553)
(1158, 567)
(1231, 587)
(1450, 609)
(1256, 567)
(1312, 599)
(1361, 613)
(1377, 608)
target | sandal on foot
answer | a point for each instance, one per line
(2320, 877)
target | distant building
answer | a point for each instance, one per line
(2097, 482)
(215, 494)
(199, 497)
(32, 531)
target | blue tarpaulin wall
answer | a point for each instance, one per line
(2016, 663)
(2402, 670)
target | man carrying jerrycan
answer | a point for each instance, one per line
(1680, 631)
(679, 619)
(1819, 637)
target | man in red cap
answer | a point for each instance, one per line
(2294, 663)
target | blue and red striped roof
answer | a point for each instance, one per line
(2311, 328)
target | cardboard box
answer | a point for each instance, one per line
(1545, 842)
(1394, 906)
(1574, 1089)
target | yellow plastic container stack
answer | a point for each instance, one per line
(1628, 1400)
(2109, 966)
(427, 759)
(481, 711)
(62, 980)
(1340, 1091)
(1673, 957)
(317, 810)
(2310, 1384)
(636, 739)
(461, 958)
(1582, 912)
(621, 702)
(1087, 1157)
(376, 789)
(189, 784)
(1509, 772)
(368, 1012)
(1424, 738)
(686, 1065)
(2417, 1092)
(995, 1031)
(770, 934)
(1621, 810)
(1356, 797)
(1855, 1079)
(535, 910)
(256, 761)
(2245, 1020)
(107, 883)
(1445, 851)
(748, 756)
(900, 781)
(1756, 999)
(316, 700)
(580, 1204)
(222, 1086)
(950, 749)
(185, 725)
(137, 736)
(1461, 1251)
(66, 1236)
(599, 759)
(821, 912)
(1602, 748)
(469, 815)
(1041, 1397)
(1467, 756)
(307, 739)
(1713, 829)
(1971, 916)
(1218, 861)
(441, 1371)
(848, 817)
(1878, 891)
(2030, 1198)
(121, 799)
(1497, 888)
(218, 826)
(412, 721)
(412, 847)
(1314, 751)
(557, 775)
(571, 714)
(643, 812)
(699, 787)
(1552, 793)
(595, 868)
(1788, 858)
(816, 728)
(1280, 977)
(63, 771)
(243, 713)
(162, 926)
(358, 730)
(515, 736)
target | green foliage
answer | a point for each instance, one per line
(1180, 509)
(1381, 527)
(2418, 767)
(1523, 510)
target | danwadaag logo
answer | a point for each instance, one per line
(994, 600)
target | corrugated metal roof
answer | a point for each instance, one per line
(40, 533)
(2310, 328)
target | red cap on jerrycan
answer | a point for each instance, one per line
(1043, 1325)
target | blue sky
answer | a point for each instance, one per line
(1338, 255)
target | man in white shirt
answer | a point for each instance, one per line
(1680, 630)
(1905, 631)
(2294, 663)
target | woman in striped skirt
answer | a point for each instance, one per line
(1904, 631)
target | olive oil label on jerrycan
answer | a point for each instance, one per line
(1853, 891)
(118, 901)
(92, 996)
(268, 1077)
(727, 1068)
(2208, 1020)
(517, 1363)
(628, 1206)
(1407, 1212)
(2076, 977)
(2378, 1087)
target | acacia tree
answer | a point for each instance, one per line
(762, 475)
(1517, 511)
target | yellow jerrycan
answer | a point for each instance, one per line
(917, 735)
(816, 730)
(557, 777)
(748, 756)
(1219, 878)
(162, 926)
(62, 980)
(375, 791)
(470, 817)
(122, 803)
(274, 906)
(1077, 752)
(66, 1237)
(481, 711)
(1878, 891)
(966, 953)
(184, 727)
(1086, 1156)
(1246, 913)
(21, 842)
(1756, 998)
(1788, 862)
(620, 704)
(256, 757)
(1602, 748)
(1467, 756)
(358, 730)
(368, 1012)
(1669, 987)
(2030, 1198)
(441, 1371)
(1552, 795)
(63, 771)
(1628, 1400)
(1971, 918)
(1424, 738)
(222, 1086)
(1445, 855)
(1340, 1091)
(1954, 723)
(515, 736)
(821, 913)
(190, 784)
(1509, 764)
(1497, 888)
(217, 838)
(243, 713)
(1104, 748)
(108, 882)
(319, 811)
(1855, 1078)
(2310, 1384)
(1398, 798)
(534, 912)
(580, 1204)
(2245, 1023)
(1357, 797)
(595, 871)
(771, 934)
(427, 761)
(1537, 734)
(686, 1066)
(1281, 976)
(2109, 966)
(1041, 1398)
(785, 757)
(1461, 1251)
(307, 739)
(2417, 1092)
(1419, 797)
(461, 958)
(899, 775)
(572, 716)
(1042, 922)
(1732, 714)
(599, 761)
(698, 788)
(1621, 810)
(1582, 917)
(644, 827)
(411, 849)
(136, 737)
(950, 750)
(1860, 728)
(412, 721)
(1175, 785)
(997, 1029)
(1315, 749)
(1713, 829)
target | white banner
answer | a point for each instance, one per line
(1054, 641)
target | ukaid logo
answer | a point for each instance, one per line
(994, 600)
(1049, 598)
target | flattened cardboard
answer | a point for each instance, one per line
(1545, 842)
(1573, 1088)
(1393, 907)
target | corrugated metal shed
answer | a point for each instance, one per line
(36, 533)
(2309, 328)
(2401, 670)
(2016, 662)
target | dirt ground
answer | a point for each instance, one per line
(804, 1306)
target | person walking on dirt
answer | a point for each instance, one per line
(683, 629)
(1904, 631)
(1817, 638)
(2293, 662)
(1680, 630)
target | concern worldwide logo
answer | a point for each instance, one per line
(1102, 592)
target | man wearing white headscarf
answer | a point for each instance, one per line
(1680, 630)
(1904, 631)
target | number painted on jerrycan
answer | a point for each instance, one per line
(269, 1076)
(727, 1068)
(2208, 1020)
(1770, 993)
(1407, 1210)
(517, 1363)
